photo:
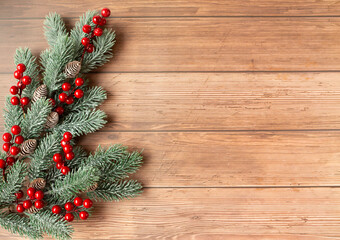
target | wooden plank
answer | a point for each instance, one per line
(211, 159)
(140, 8)
(216, 101)
(293, 214)
(203, 44)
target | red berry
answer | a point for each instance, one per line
(57, 157)
(14, 150)
(26, 80)
(52, 101)
(56, 209)
(69, 100)
(15, 129)
(67, 136)
(62, 97)
(24, 101)
(79, 82)
(69, 206)
(79, 93)
(69, 217)
(20, 208)
(2, 163)
(96, 19)
(65, 170)
(17, 74)
(19, 139)
(66, 86)
(10, 161)
(30, 191)
(14, 90)
(86, 28)
(98, 32)
(89, 48)
(67, 148)
(7, 137)
(19, 194)
(60, 110)
(87, 203)
(63, 142)
(15, 100)
(21, 85)
(27, 204)
(21, 67)
(39, 194)
(59, 165)
(102, 22)
(83, 215)
(69, 156)
(6, 147)
(39, 204)
(106, 12)
(78, 201)
(85, 41)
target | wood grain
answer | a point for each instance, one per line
(142, 8)
(293, 214)
(203, 44)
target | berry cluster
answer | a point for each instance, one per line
(67, 97)
(22, 82)
(99, 21)
(58, 158)
(32, 195)
(11, 146)
(74, 207)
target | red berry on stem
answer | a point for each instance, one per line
(79, 82)
(63, 142)
(6, 147)
(69, 206)
(57, 157)
(59, 165)
(27, 204)
(39, 194)
(98, 32)
(67, 148)
(7, 137)
(65, 170)
(24, 101)
(10, 161)
(16, 130)
(2, 163)
(86, 28)
(62, 97)
(106, 12)
(66, 86)
(96, 19)
(39, 204)
(56, 209)
(15, 100)
(14, 150)
(19, 139)
(89, 48)
(69, 156)
(69, 100)
(19, 194)
(69, 217)
(17, 74)
(21, 67)
(30, 191)
(67, 136)
(20, 208)
(21, 85)
(85, 41)
(78, 201)
(79, 93)
(87, 203)
(52, 101)
(26, 80)
(60, 110)
(83, 215)
(14, 90)
(102, 22)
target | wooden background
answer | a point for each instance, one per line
(236, 104)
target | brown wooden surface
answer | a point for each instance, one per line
(235, 103)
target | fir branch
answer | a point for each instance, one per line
(13, 115)
(92, 98)
(15, 175)
(54, 27)
(44, 55)
(19, 225)
(36, 117)
(102, 51)
(80, 156)
(119, 190)
(82, 123)
(51, 224)
(24, 55)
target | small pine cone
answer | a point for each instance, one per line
(32, 209)
(72, 69)
(12, 208)
(91, 188)
(38, 184)
(52, 120)
(28, 146)
(40, 92)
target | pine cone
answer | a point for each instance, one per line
(40, 92)
(32, 209)
(38, 184)
(91, 188)
(52, 120)
(72, 69)
(28, 146)
(12, 208)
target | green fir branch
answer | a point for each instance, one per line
(80, 156)
(13, 115)
(54, 27)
